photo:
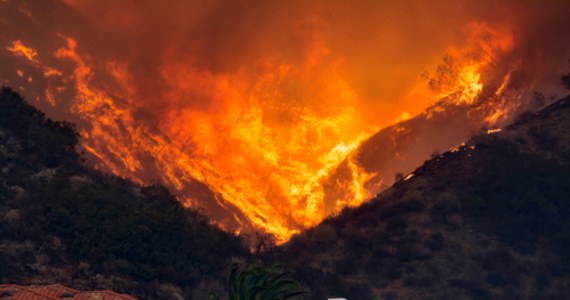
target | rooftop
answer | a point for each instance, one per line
(55, 291)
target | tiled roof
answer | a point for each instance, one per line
(55, 292)
(16, 292)
(102, 295)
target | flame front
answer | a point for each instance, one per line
(266, 144)
(255, 147)
(19, 49)
(265, 137)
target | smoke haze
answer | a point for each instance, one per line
(245, 108)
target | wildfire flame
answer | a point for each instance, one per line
(273, 174)
(272, 170)
(19, 49)
(265, 139)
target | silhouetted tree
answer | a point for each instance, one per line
(566, 79)
(398, 176)
(263, 242)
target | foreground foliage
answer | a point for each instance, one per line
(257, 282)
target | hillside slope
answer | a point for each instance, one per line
(46, 32)
(488, 219)
(61, 222)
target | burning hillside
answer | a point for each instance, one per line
(267, 115)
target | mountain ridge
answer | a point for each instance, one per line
(479, 221)
(486, 219)
(61, 222)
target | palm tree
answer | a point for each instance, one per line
(257, 282)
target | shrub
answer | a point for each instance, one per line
(419, 281)
(324, 233)
(435, 241)
(396, 224)
(566, 80)
(345, 266)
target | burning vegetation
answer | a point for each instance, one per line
(269, 118)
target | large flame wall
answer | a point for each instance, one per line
(248, 108)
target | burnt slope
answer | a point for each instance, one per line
(488, 219)
(61, 222)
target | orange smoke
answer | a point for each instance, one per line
(257, 112)
(266, 144)
(256, 147)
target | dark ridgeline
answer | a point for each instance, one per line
(61, 222)
(486, 220)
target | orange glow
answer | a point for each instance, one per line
(267, 146)
(265, 130)
(491, 131)
(460, 75)
(405, 116)
(19, 49)
(273, 175)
